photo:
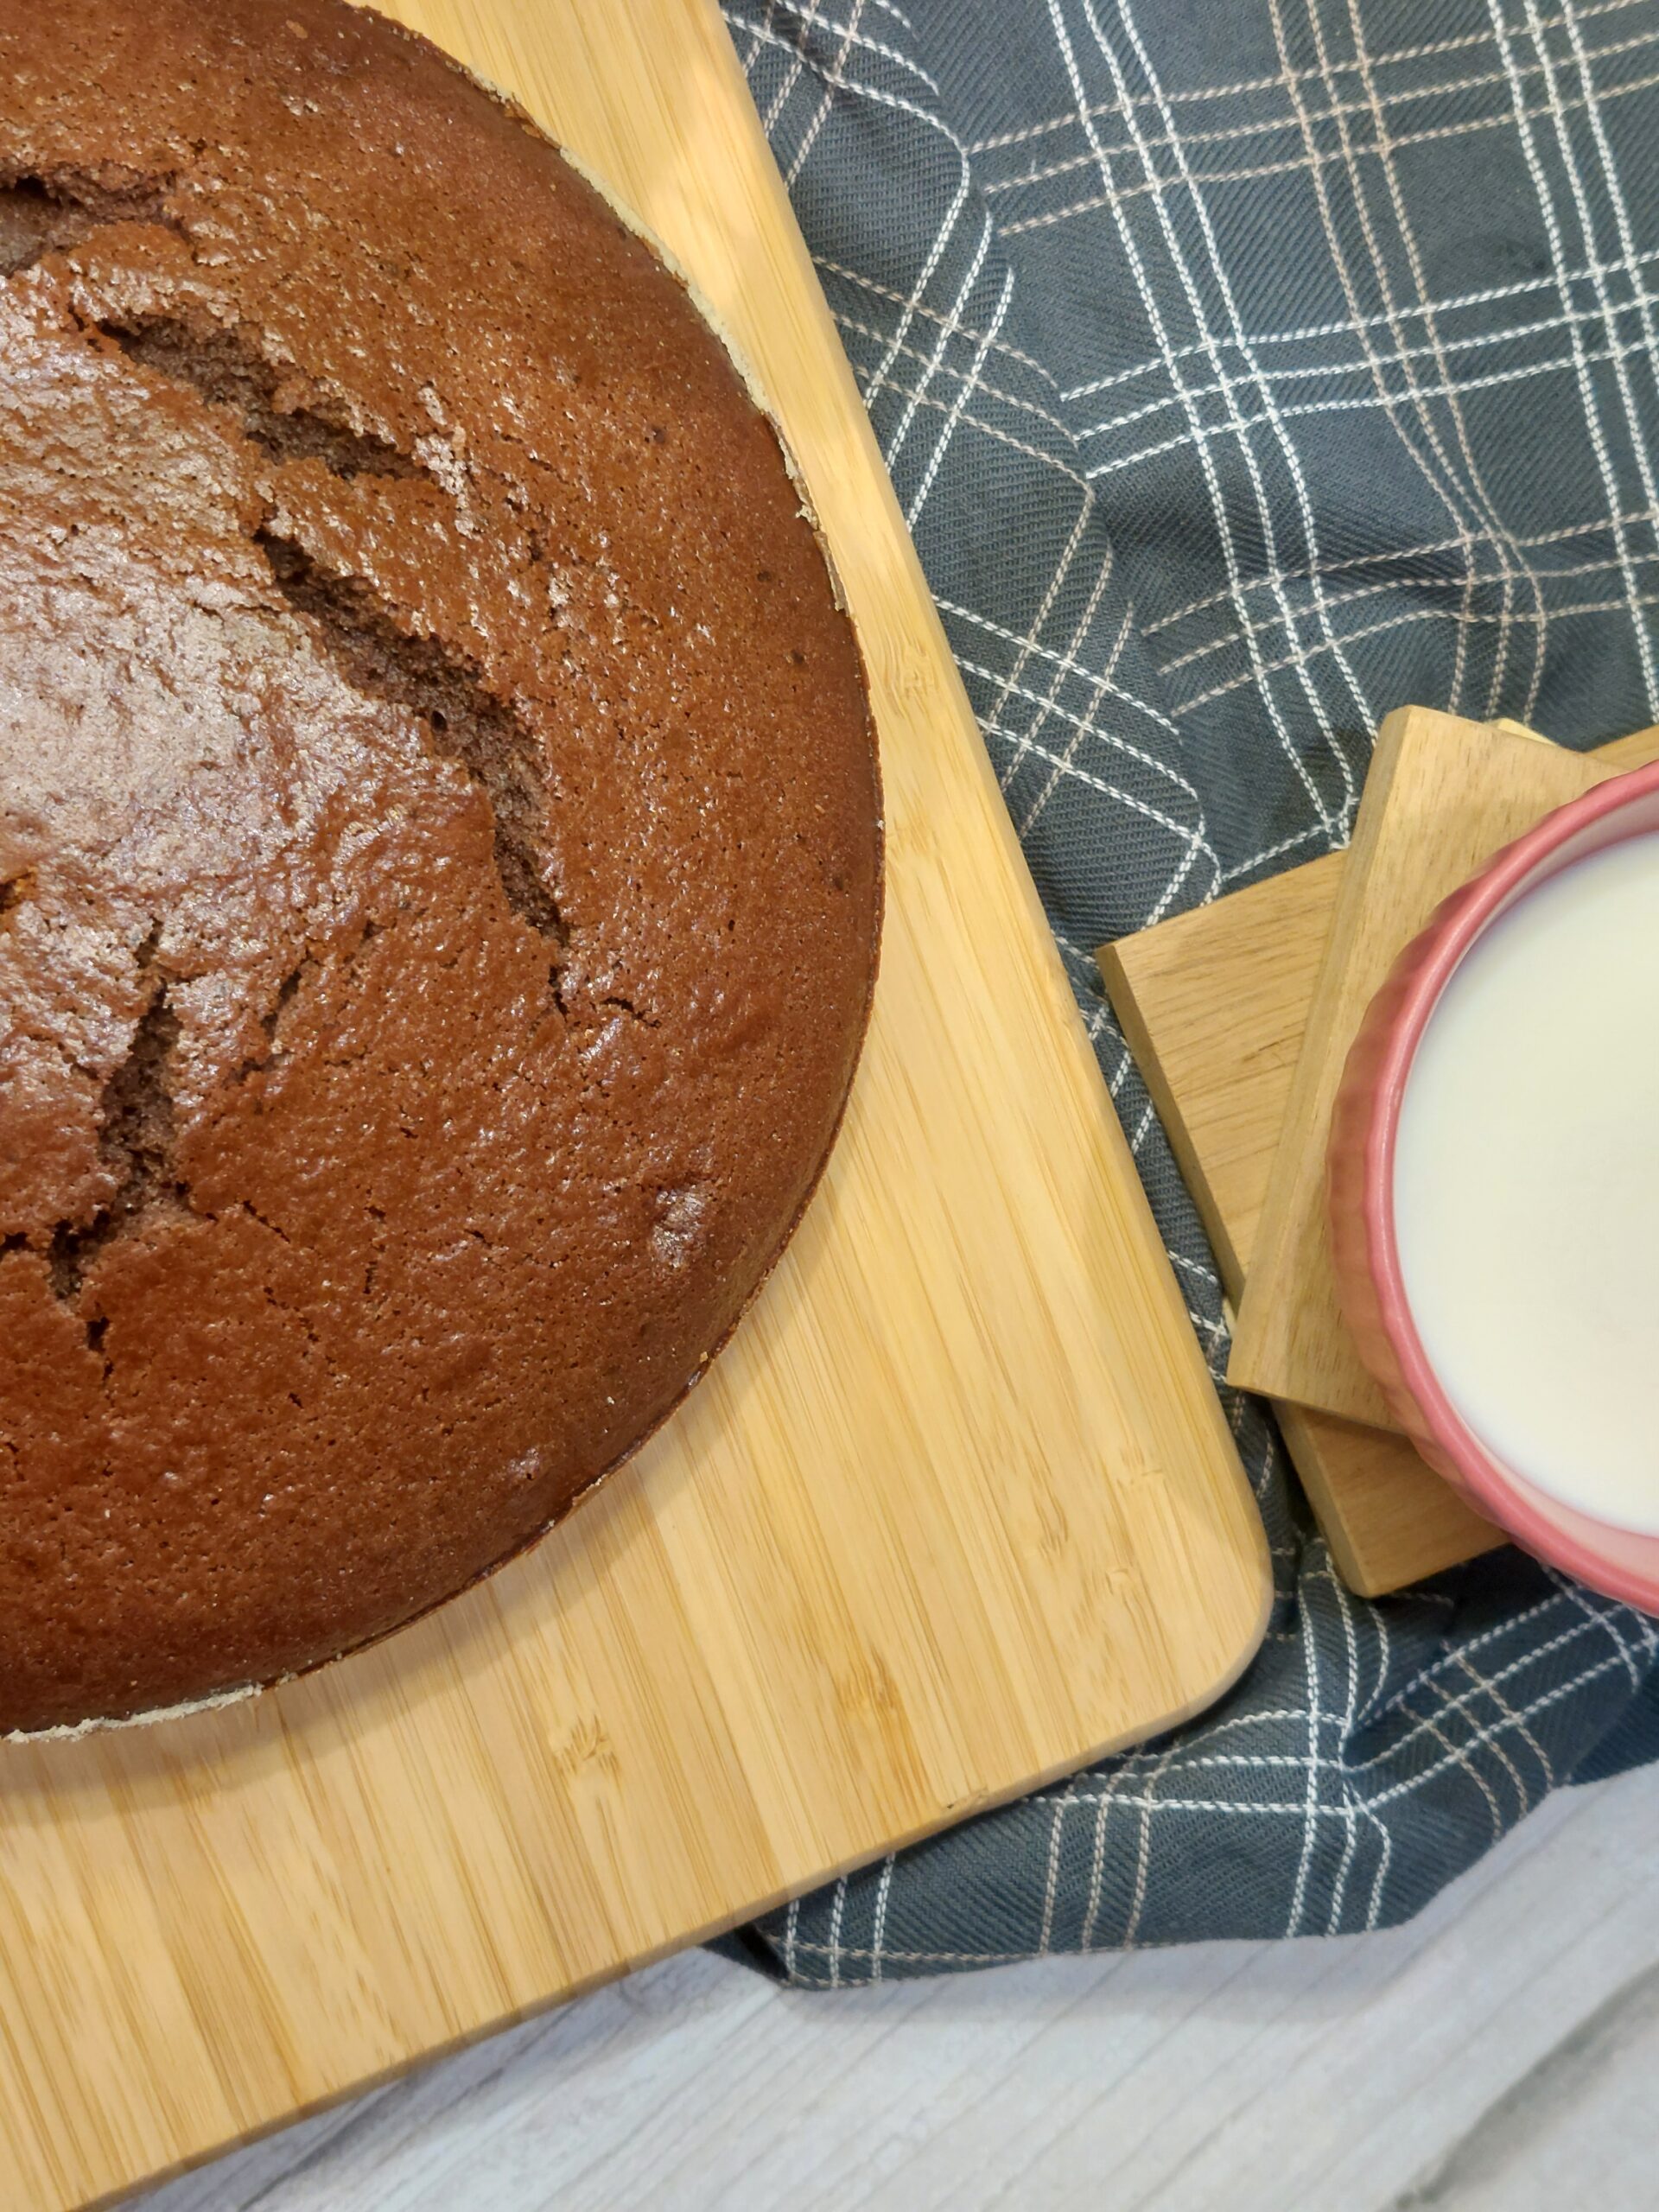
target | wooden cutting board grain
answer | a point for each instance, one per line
(957, 1510)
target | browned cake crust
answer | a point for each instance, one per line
(439, 843)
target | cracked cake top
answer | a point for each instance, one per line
(439, 842)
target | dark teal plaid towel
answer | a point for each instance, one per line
(1247, 368)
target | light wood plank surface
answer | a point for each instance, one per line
(1495, 2056)
(1441, 797)
(958, 1509)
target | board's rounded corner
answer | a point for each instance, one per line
(1236, 1663)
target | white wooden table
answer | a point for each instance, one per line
(1500, 2052)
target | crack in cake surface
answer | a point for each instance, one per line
(43, 214)
(226, 372)
(464, 720)
(135, 1144)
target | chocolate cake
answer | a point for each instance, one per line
(439, 842)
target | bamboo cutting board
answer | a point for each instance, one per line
(957, 1510)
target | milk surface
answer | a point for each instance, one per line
(1526, 1186)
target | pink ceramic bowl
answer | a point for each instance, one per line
(1360, 1191)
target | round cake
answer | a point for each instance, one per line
(439, 843)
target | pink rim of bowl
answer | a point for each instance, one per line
(1620, 1562)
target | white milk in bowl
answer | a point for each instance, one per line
(1526, 1186)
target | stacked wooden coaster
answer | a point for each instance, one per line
(1240, 1015)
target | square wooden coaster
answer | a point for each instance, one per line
(1441, 798)
(1216, 1005)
